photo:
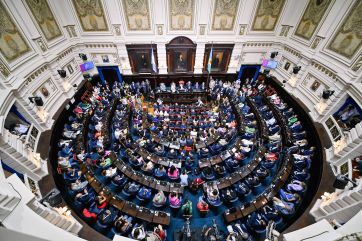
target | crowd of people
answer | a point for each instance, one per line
(125, 126)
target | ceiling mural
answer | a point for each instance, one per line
(348, 38)
(91, 15)
(181, 14)
(267, 15)
(224, 15)
(12, 43)
(44, 18)
(312, 16)
(137, 15)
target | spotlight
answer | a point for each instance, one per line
(86, 76)
(284, 81)
(341, 182)
(327, 93)
(75, 85)
(38, 100)
(296, 69)
(83, 56)
(266, 71)
(273, 54)
(62, 73)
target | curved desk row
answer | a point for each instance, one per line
(127, 207)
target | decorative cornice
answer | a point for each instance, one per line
(322, 68)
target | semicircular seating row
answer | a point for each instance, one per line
(125, 166)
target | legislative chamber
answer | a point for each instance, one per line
(180, 120)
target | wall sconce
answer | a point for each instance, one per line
(83, 56)
(62, 73)
(38, 100)
(327, 93)
(296, 69)
(273, 54)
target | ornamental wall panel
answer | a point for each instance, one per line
(181, 15)
(44, 18)
(137, 15)
(12, 42)
(91, 15)
(267, 15)
(224, 15)
(348, 38)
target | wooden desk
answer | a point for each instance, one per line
(163, 186)
(225, 155)
(130, 209)
(117, 202)
(176, 187)
(161, 218)
(247, 209)
(223, 183)
(215, 160)
(145, 214)
(204, 163)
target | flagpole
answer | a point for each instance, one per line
(208, 71)
(153, 71)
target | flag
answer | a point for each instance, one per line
(153, 62)
(209, 62)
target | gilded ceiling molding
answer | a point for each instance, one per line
(91, 15)
(242, 29)
(117, 29)
(137, 15)
(159, 29)
(292, 51)
(224, 15)
(348, 38)
(3, 69)
(311, 18)
(40, 42)
(44, 18)
(267, 15)
(12, 42)
(322, 68)
(202, 29)
(181, 14)
(357, 64)
(316, 42)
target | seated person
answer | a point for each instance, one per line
(78, 186)
(148, 167)
(131, 188)
(207, 173)
(101, 200)
(144, 194)
(110, 172)
(219, 170)
(21, 129)
(172, 154)
(123, 224)
(289, 197)
(159, 199)
(229, 195)
(159, 232)
(138, 232)
(283, 207)
(256, 221)
(202, 206)
(119, 180)
(186, 209)
(160, 172)
(105, 162)
(184, 178)
(174, 199)
(212, 192)
(173, 172)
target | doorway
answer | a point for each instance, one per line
(109, 74)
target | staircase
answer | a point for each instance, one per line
(20, 157)
(340, 207)
(54, 216)
(8, 200)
